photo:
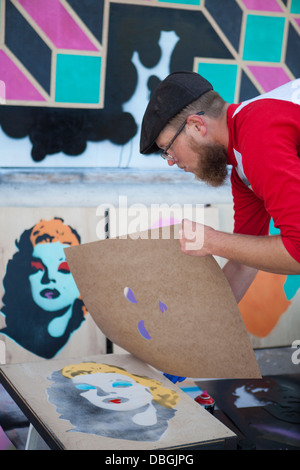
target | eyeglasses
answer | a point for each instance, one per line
(164, 153)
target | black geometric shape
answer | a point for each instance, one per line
(228, 15)
(91, 13)
(132, 28)
(138, 28)
(292, 58)
(153, 82)
(16, 121)
(247, 90)
(27, 46)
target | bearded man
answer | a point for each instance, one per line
(194, 128)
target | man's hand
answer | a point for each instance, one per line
(194, 238)
(265, 253)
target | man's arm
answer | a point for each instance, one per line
(265, 253)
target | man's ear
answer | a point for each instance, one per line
(196, 122)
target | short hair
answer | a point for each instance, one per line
(210, 102)
(54, 230)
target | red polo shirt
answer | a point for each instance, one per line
(264, 150)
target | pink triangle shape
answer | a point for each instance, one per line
(262, 5)
(18, 87)
(58, 24)
(269, 77)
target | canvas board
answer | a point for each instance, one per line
(136, 218)
(41, 313)
(110, 402)
(172, 311)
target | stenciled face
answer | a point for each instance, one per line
(113, 391)
(52, 284)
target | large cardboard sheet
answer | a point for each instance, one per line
(172, 311)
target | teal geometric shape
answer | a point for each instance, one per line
(222, 77)
(292, 282)
(272, 229)
(291, 285)
(183, 2)
(77, 79)
(263, 38)
(295, 6)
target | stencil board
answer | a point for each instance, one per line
(137, 217)
(172, 311)
(109, 402)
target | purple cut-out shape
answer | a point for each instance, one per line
(130, 295)
(142, 330)
(162, 307)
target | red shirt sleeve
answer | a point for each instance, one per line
(269, 141)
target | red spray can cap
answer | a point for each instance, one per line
(204, 399)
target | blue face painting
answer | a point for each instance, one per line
(116, 384)
(52, 284)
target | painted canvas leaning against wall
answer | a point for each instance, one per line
(42, 313)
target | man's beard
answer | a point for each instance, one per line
(212, 164)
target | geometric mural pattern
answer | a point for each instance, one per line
(70, 38)
(69, 51)
(262, 37)
(79, 71)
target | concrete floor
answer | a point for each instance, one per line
(277, 361)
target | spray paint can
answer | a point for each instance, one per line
(206, 401)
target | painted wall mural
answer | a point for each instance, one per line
(42, 315)
(78, 74)
(41, 304)
(112, 402)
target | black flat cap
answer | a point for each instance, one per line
(174, 93)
